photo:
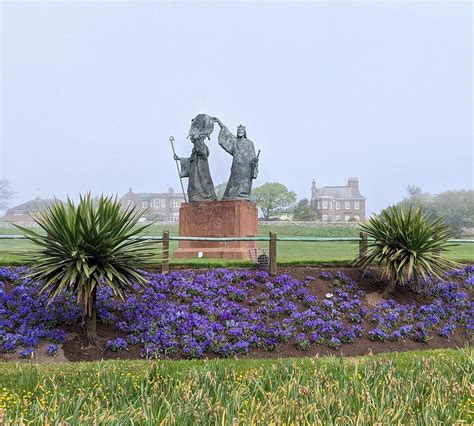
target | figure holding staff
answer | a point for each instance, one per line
(177, 167)
(196, 167)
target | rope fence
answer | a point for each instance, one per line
(272, 239)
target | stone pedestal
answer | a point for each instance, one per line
(228, 218)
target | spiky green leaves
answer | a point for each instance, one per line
(408, 242)
(86, 246)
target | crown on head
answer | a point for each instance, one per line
(241, 126)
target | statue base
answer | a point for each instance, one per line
(218, 219)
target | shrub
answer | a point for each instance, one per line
(86, 247)
(410, 244)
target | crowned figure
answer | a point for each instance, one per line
(244, 163)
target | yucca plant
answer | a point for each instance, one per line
(85, 247)
(409, 243)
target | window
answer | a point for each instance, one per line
(356, 205)
(175, 217)
(357, 217)
(347, 217)
(177, 203)
(325, 217)
(330, 218)
(347, 205)
(338, 205)
(156, 203)
(325, 204)
(338, 217)
(17, 213)
(319, 204)
(330, 204)
(163, 203)
(145, 204)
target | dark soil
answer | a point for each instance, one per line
(79, 349)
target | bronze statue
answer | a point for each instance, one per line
(244, 163)
(196, 167)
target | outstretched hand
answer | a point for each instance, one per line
(216, 120)
(175, 157)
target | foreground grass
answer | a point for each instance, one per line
(430, 387)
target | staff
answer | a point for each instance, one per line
(177, 167)
(254, 167)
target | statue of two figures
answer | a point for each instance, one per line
(196, 167)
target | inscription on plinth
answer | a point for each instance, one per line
(228, 218)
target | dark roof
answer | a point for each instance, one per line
(342, 192)
(145, 195)
(35, 205)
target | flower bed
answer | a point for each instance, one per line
(192, 314)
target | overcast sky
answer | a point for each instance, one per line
(91, 92)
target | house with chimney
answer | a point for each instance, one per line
(339, 203)
(154, 205)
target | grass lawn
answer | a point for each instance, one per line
(289, 252)
(428, 387)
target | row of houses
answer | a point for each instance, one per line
(162, 206)
(331, 203)
(155, 205)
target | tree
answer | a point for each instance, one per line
(220, 189)
(413, 192)
(408, 243)
(272, 197)
(303, 211)
(416, 198)
(6, 194)
(455, 207)
(85, 247)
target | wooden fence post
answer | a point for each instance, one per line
(165, 262)
(273, 253)
(362, 244)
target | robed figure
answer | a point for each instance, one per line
(196, 167)
(244, 163)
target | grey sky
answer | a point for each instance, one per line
(92, 91)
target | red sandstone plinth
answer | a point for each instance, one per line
(227, 218)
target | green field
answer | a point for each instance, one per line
(429, 387)
(16, 251)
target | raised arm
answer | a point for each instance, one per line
(219, 122)
(226, 139)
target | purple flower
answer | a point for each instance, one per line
(27, 353)
(302, 343)
(193, 313)
(447, 330)
(324, 275)
(334, 343)
(52, 349)
(116, 345)
(469, 280)
(378, 334)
